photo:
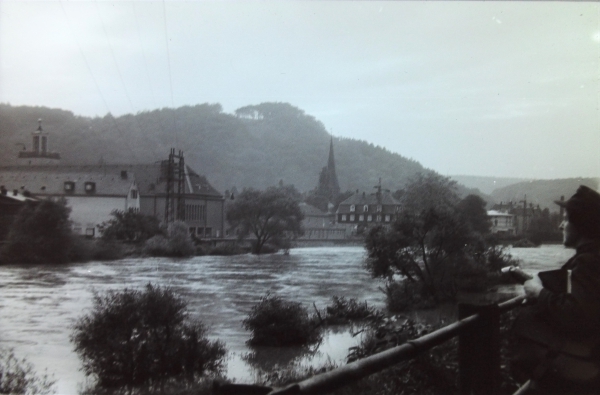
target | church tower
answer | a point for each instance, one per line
(39, 154)
(329, 186)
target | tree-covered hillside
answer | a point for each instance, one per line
(255, 147)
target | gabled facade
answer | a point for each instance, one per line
(93, 192)
(373, 209)
(522, 214)
(503, 224)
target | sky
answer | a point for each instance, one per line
(504, 89)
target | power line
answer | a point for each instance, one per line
(169, 69)
(95, 81)
(114, 58)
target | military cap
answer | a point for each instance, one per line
(583, 210)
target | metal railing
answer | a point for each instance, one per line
(478, 331)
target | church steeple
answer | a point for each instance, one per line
(334, 186)
(329, 187)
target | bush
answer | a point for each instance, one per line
(178, 242)
(276, 322)
(405, 295)
(524, 243)
(143, 339)
(343, 311)
(40, 233)
(17, 376)
(130, 226)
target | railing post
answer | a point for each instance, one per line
(479, 351)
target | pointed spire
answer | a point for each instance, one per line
(331, 160)
(333, 184)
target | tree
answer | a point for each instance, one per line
(270, 215)
(138, 338)
(426, 249)
(472, 209)
(424, 192)
(432, 246)
(40, 233)
(130, 226)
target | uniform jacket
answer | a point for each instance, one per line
(576, 313)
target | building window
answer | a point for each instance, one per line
(379, 218)
(397, 209)
(352, 217)
(69, 186)
(366, 208)
(370, 218)
(208, 232)
(134, 194)
(192, 231)
(90, 232)
(343, 217)
(387, 218)
(195, 212)
(379, 208)
(352, 208)
(90, 187)
(361, 217)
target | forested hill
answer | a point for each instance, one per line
(255, 147)
(543, 192)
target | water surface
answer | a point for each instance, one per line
(39, 304)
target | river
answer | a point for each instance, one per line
(39, 304)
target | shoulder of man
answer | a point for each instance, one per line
(587, 262)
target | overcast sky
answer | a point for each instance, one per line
(474, 88)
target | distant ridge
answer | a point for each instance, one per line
(542, 192)
(487, 184)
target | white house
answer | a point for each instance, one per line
(502, 223)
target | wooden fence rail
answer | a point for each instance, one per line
(479, 357)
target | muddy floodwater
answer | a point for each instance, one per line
(39, 304)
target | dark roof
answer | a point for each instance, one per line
(109, 179)
(385, 198)
(372, 200)
(312, 211)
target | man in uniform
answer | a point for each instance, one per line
(571, 306)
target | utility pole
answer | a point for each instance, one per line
(175, 188)
(524, 201)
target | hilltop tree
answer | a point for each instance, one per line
(270, 216)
